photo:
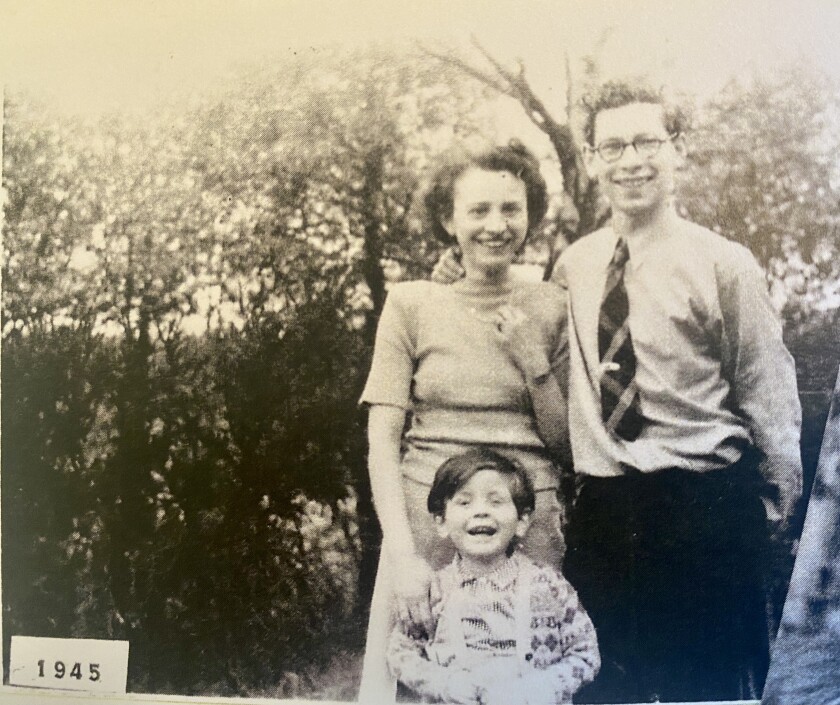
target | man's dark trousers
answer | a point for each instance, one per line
(671, 567)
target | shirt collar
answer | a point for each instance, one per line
(641, 244)
(500, 578)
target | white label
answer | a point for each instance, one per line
(94, 665)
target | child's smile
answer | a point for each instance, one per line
(482, 521)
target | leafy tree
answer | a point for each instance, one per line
(763, 172)
(188, 311)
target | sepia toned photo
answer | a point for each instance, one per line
(476, 353)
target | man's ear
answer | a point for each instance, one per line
(681, 149)
(440, 525)
(522, 525)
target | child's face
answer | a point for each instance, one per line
(481, 519)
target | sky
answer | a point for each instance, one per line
(95, 55)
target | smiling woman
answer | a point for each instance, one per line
(475, 364)
(489, 221)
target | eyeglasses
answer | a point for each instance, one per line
(646, 147)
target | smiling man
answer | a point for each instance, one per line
(684, 421)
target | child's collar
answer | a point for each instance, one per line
(501, 577)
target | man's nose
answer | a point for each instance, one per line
(630, 158)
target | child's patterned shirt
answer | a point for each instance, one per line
(518, 632)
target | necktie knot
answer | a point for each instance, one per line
(621, 254)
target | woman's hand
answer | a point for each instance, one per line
(522, 340)
(411, 575)
(412, 580)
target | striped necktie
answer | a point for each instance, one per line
(620, 408)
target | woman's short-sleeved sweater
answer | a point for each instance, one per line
(438, 355)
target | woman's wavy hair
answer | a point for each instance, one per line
(514, 158)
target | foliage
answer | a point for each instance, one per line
(172, 514)
(188, 310)
(763, 172)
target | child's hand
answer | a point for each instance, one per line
(535, 688)
(458, 688)
(503, 692)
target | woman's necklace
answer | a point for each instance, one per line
(492, 296)
(483, 316)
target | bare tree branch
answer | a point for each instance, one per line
(461, 65)
(569, 83)
(514, 83)
(560, 134)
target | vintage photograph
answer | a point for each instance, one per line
(470, 352)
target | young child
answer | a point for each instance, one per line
(506, 630)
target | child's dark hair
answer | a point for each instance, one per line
(459, 469)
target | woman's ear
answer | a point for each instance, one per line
(448, 225)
